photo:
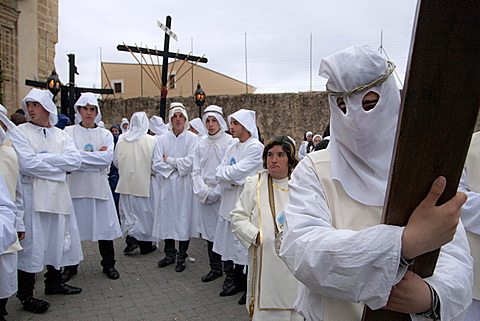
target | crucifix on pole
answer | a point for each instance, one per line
(165, 54)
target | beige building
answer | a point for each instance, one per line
(28, 34)
(135, 80)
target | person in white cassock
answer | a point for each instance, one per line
(10, 192)
(470, 185)
(197, 126)
(8, 237)
(45, 155)
(91, 195)
(210, 151)
(133, 158)
(242, 159)
(176, 219)
(257, 220)
(306, 145)
(124, 125)
(333, 242)
(157, 126)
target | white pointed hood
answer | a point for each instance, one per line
(362, 141)
(43, 97)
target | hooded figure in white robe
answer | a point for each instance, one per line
(210, 151)
(157, 126)
(136, 185)
(8, 237)
(176, 218)
(198, 127)
(91, 195)
(470, 185)
(242, 159)
(10, 175)
(333, 242)
(45, 155)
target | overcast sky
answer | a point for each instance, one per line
(274, 45)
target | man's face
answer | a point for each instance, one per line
(212, 124)
(88, 113)
(236, 129)
(38, 114)
(178, 121)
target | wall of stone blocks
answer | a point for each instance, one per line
(277, 114)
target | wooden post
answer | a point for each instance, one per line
(438, 114)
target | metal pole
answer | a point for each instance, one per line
(71, 87)
(246, 65)
(163, 99)
(310, 61)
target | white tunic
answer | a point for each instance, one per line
(209, 154)
(177, 216)
(91, 194)
(240, 161)
(270, 284)
(45, 155)
(369, 264)
(470, 185)
(8, 236)
(136, 186)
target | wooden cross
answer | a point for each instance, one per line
(437, 118)
(165, 54)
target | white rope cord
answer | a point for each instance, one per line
(378, 81)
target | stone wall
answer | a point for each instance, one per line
(277, 114)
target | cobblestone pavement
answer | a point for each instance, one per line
(143, 292)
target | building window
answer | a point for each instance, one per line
(117, 86)
(172, 80)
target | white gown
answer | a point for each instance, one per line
(176, 216)
(369, 266)
(270, 283)
(240, 161)
(52, 236)
(8, 236)
(470, 185)
(91, 194)
(137, 202)
(209, 154)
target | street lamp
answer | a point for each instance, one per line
(199, 99)
(53, 83)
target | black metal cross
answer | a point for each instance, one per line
(165, 54)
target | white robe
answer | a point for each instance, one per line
(369, 266)
(302, 151)
(8, 236)
(270, 283)
(209, 154)
(470, 185)
(177, 214)
(91, 194)
(240, 161)
(45, 155)
(136, 210)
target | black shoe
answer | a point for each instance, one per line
(67, 274)
(229, 287)
(130, 248)
(35, 305)
(180, 267)
(243, 299)
(166, 261)
(111, 272)
(149, 250)
(212, 275)
(63, 289)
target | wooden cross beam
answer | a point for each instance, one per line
(165, 54)
(438, 114)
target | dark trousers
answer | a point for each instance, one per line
(26, 282)
(170, 250)
(214, 258)
(236, 271)
(3, 306)
(107, 251)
